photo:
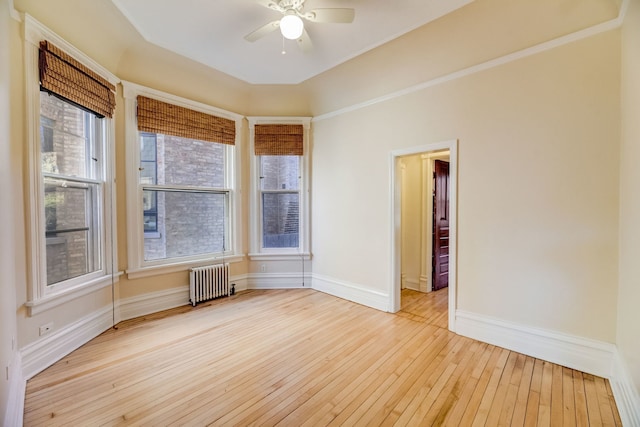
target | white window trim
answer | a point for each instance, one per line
(40, 296)
(257, 252)
(138, 267)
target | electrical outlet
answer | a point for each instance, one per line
(263, 268)
(46, 328)
(9, 369)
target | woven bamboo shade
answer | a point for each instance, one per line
(64, 76)
(168, 119)
(278, 140)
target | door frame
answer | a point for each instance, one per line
(395, 223)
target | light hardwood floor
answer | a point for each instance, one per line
(304, 358)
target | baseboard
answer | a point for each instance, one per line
(49, 349)
(351, 292)
(17, 387)
(153, 302)
(424, 284)
(624, 392)
(412, 284)
(583, 354)
(278, 280)
(241, 281)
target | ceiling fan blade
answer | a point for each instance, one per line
(339, 16)
(304, 42)
(262, 31)
(270, 4)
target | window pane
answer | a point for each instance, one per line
(280, 172)
(150, 207)
(65, 138)
(71, 235)
(280, 215)
(67, 256)
(188, 223)
(148, 147)
(148, 161)
(171, 160)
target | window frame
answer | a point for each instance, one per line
(257, 250)
(138, 267)
(40, 296)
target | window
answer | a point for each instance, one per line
(185, 197)
(181, 175)
(280, 190)
(70, 171)
(280, 201)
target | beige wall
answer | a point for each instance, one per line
(411, 219)
(481, 31)
(10, 177)
(101, 32)
(538, 179)
(628, 337)
(157, 68)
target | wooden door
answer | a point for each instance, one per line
(440, 258)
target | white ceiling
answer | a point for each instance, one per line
(212, 32)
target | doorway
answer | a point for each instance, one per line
(437, 264)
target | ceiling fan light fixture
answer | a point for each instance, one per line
(291, 26)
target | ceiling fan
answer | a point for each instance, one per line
(292, 25)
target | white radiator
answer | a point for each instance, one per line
(208, 282)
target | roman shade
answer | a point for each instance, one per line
(62, 75)
(168, 119)
(278, 140)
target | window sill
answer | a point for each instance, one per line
(279, 256)
(51, 301)
(156, 270)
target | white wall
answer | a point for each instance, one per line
(538, 178)
(9, 233)
(628, 336)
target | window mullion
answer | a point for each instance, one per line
(184, 188)
(280, 191)
(80, 180)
